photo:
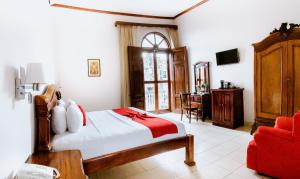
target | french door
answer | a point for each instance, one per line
(156, 80)
(157, 77)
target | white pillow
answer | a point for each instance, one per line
(61, 103)
(59, 122)
(69, 102)
(74, 118)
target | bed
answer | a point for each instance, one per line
(108, 139)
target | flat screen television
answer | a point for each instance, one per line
(228, 57)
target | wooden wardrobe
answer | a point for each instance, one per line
(277, 76)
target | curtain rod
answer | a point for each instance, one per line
(146, 25)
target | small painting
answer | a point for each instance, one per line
(94, 69)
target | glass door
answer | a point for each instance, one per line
(149, 81)
(156, 81)
(163, 80)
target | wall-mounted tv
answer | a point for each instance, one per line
(228, 57)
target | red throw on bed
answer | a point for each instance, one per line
(158, 126)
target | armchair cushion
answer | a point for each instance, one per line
(276, 132)
(285, 123)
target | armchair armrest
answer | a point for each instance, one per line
(285, 123)
(276, 132)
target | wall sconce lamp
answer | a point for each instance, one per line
(25, 83)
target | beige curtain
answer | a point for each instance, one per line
(173, 36)
(127, 37)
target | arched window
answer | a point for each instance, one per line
(155, 40)
(155, 55)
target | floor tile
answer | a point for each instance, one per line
(228, 164)
(160, 173)
(234, 176)
(214, 172)
(225, 148)
(247, 173)
(195, 175)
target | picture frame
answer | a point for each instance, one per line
(94, 68)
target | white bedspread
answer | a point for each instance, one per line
(107, 132)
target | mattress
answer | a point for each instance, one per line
(107, 132)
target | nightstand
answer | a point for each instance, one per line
(68, 163)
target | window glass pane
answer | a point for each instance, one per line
(148, 66)
(163, 45)
(150, 97)
(158, 39)
(146, 44)
(163, 95)
(150, 37)
(162, 66)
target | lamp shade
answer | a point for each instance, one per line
(34, 73)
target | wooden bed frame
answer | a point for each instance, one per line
(43, 111)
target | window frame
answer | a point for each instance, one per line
(159, 34)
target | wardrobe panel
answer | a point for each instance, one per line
(270, 81)
(294, 76)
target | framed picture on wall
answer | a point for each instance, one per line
(94, 69)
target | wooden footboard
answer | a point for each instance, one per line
(118, 158)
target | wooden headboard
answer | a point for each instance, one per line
(43, 110)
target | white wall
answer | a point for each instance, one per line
(225, 24)
(83, 35)
(25, 37)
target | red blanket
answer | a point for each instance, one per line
(158, 126)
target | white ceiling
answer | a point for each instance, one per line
(168, 8)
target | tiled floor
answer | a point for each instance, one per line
(219, 153)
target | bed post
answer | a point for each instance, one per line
(189, 151)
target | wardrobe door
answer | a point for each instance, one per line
(293, 78)
(270, 88)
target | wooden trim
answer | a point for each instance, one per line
(131, 14)
(191, 8)
(108, 12)
(146, 24)
(119, 158)
(275, 38)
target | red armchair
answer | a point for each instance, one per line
(276, 151)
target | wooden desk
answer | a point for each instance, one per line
(68, 163)
(205, 100)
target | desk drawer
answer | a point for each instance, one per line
(197, 99)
